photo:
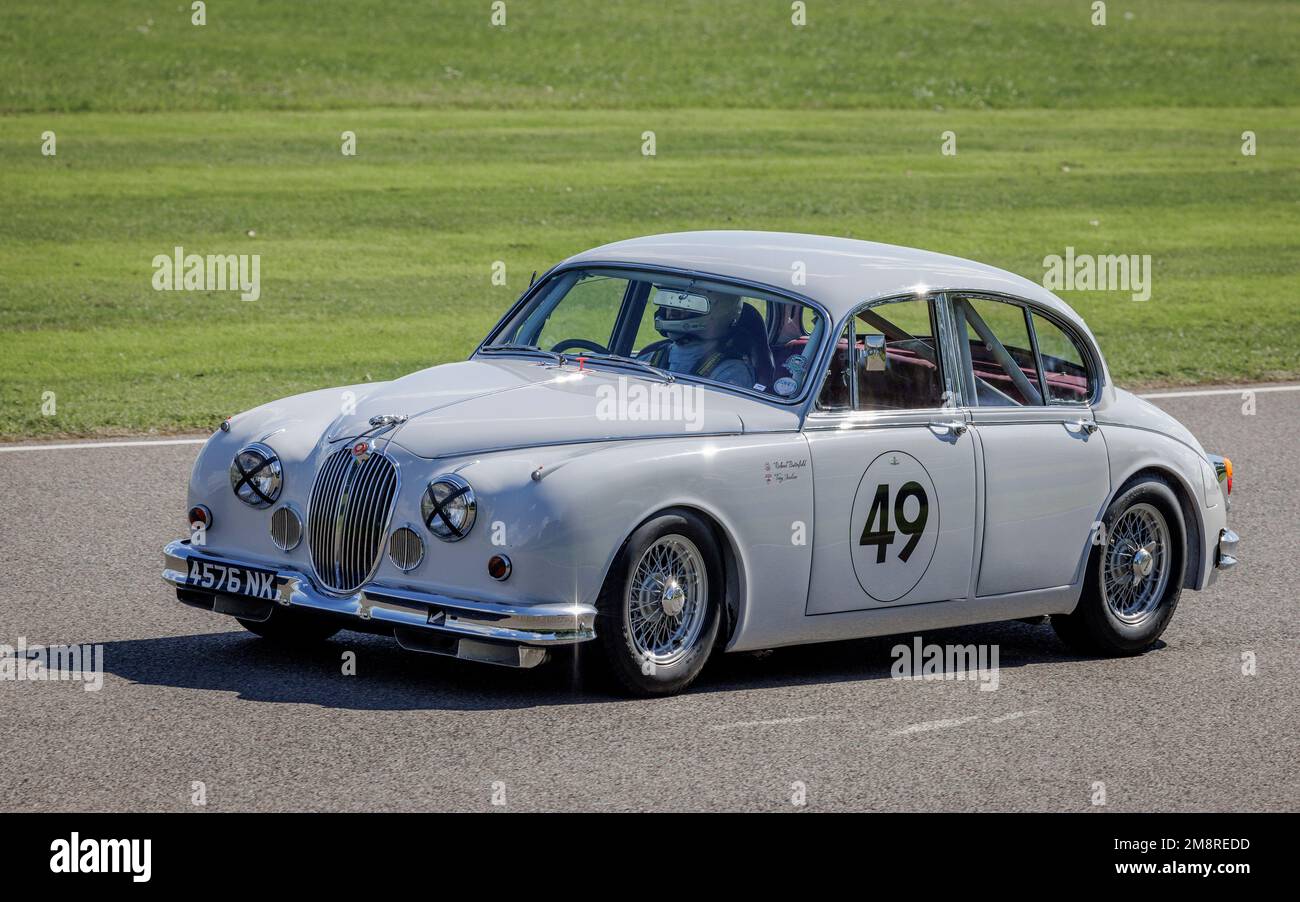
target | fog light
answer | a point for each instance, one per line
(499, 567)
(200, 517)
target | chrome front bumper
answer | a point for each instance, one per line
(491, 632)
(1225, 554)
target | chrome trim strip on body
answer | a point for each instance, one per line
(523, 446)
(547, 624)
(879, 419)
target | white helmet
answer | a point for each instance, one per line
(705, 316)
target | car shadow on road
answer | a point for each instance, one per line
(388, 678)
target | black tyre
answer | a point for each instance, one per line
(658, 613)
(1135, 574)
(288, 627)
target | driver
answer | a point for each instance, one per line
(700, 341)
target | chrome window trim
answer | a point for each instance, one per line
(867, 419)
(948, 352)
(1034, 413)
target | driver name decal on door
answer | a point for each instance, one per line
(894, 526)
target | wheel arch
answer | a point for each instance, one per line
(733, 566)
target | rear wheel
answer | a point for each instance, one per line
(658, 613)
(1134, 576)
(288, 627)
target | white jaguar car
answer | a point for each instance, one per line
(708, 442)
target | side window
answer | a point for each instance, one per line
(886, 359)
(1064, 371)
(1001, 353)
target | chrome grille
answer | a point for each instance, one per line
(348, 518)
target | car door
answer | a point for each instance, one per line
(893, 466)
(1043, 462)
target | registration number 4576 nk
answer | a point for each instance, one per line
(231, 579)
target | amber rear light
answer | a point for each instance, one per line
(1227, 466)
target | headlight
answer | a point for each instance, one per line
(256, 476)
(448, 508)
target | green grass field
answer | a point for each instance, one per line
(524, 145)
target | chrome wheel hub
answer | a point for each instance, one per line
(673, 600)
(1136, 564)
(1143, 563)
(667, 599)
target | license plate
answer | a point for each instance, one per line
(232, 579)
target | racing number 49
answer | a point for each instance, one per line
(882, 536)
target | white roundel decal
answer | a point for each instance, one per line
(894, 527)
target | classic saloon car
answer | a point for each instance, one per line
(718, 441)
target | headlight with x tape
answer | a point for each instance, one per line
(256, 475)
(448, 507)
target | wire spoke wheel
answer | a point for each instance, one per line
(1136, 564)
(667, 600)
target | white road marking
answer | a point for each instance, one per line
(1208, 392)
(1014, 715)
(768, 723)
(928, 725)
(70, 447)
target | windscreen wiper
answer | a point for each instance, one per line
(559, 358)
(619, 358)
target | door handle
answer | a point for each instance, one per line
(955, 427)
(1088, 427)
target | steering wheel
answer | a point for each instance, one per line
(579, 343)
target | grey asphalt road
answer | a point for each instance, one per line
(188, 697)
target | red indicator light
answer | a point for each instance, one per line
(499, 567)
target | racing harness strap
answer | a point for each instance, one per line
(659, 357)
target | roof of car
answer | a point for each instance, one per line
(839, 272)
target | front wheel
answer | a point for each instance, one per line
(658, 613)
(1134, 574)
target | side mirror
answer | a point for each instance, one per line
(873, 354)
